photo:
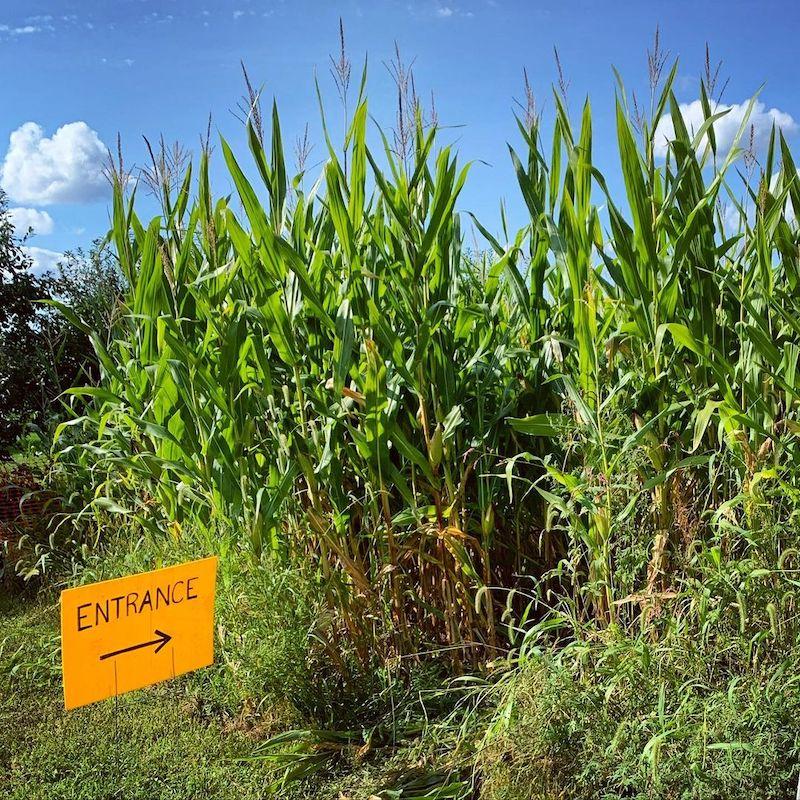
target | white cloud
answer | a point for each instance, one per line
(725, 129)
(438, 9)
(21, 30)
(24, 219)
(43, 260)
(114, 62)
(66, 168)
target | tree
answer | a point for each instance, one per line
(22, 393)
(41, 353)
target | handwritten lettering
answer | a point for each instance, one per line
(91, 615)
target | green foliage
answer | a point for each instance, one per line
(41, 353)
(337, 379)
(637, 720)
(20, 390)
(330, 377)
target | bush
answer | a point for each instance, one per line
(633, 719)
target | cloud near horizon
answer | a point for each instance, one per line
(43, 260)
(725, 129)
(64, 168)
(30, 219)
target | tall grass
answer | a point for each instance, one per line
(579, 425)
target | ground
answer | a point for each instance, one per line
(155, 743)
(193, 737)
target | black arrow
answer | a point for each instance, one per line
(163, 639)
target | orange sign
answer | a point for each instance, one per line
(127, 633)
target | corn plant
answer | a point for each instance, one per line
(324, 368)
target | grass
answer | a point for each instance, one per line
(156, 743)
(184, 739)
(209, 733)
(674, 726)
(629, 719)
(187, 738)
(194, 737)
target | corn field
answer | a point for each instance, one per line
(579, 417)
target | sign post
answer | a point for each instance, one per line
(127, 633)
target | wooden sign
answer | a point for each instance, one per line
(123, 634)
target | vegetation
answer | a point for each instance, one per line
(541, 500)
(18, 289)
(40, 353)
(177, 741)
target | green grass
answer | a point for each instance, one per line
(160, 742)
(179, 740)
(623, 718)
(182, 739)
(662, 725)
(206, 734)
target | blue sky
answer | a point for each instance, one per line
(143, 67)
